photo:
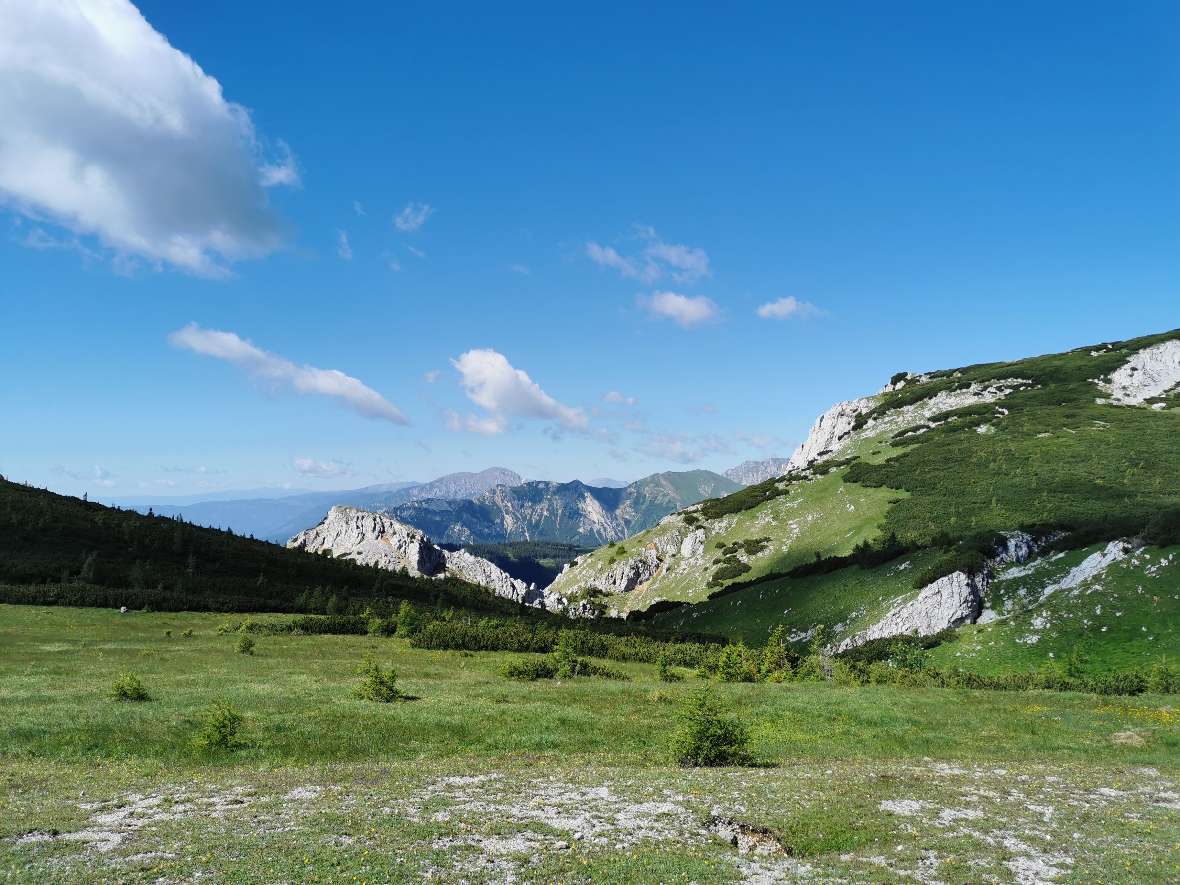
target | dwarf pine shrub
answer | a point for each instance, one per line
(129, 688)
(378, 684)
(220, 728)
(708, 736)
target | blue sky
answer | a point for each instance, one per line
(602, 200)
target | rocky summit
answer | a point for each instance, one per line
(378, 539)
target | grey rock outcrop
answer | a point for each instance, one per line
(951, 601)
(377, 539)
(830, 432)
(1150, 372)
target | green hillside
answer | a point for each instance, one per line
(914, 483)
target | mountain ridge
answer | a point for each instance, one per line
(909, 493)
(570, 512)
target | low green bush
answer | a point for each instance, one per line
(708, 737)
(377, 684)
(221, 727)
(245, 646)
(128, 687)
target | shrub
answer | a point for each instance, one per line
(167, 634)
(220, 728)
(129, 688)
(1163, 529)
(335, 625)
(709, 737)
(382, 626)
(736, 664)
(377, 684)
(665, 672)
(245, 646)
(530, 669)
(409, 619)
(187, 634)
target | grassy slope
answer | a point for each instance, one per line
(323, 789)
(1055, 456)
(824, 516)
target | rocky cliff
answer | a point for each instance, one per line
(750, 473)
(378, 539)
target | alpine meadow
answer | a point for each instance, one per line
(537, 444)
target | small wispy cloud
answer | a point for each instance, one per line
(283, 172)
(521, 269)
(613, 396)
(96, 474)
(415, 251)
(687, 311)
(656, 260)
(343, 247)
(431, 376)
(786, 308)
(505, 392)
(320, 469)
(412, 217)
(357, 207)
(683, 448)
(194, 470)
(280, 372)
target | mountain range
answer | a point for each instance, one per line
(277, 517)
(572, 512)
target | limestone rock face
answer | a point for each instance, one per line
(750, 473)
(829, 433)
(372, 539)
(380, 540)
(950, 601)
(1151, 372)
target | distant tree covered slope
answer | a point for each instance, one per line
(81, 547)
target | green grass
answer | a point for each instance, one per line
(374, 790)
(1126, 617)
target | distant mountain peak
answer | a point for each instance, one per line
(750, 473)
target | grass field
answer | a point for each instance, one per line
(484, 779)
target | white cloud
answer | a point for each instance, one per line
(412, 217)
(357, 207)
(657, 259)
(431, 376)
(109, 131)
(505, 392)
(520, 269)
(312, 467)
(418, 252)
(97, 475)
(785, 308)
(613, 396)
(343, 247)
(280, 372)
(682, 309)
(606, 256)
